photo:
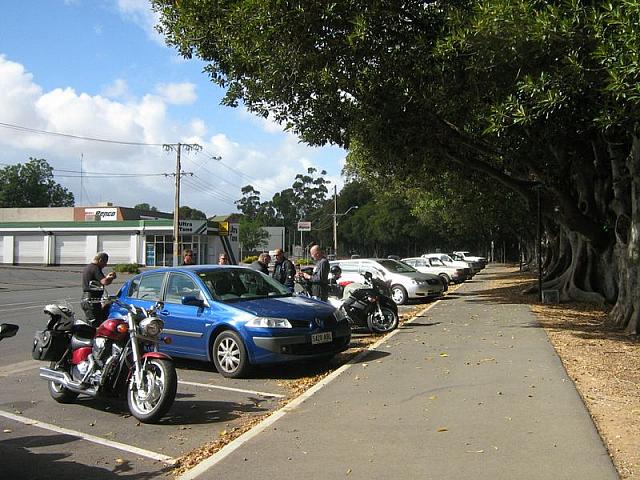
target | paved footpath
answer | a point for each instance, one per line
(470, 389)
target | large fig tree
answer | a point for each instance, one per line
(539, 96)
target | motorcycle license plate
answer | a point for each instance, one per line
(317, 338)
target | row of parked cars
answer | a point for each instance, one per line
(425, 277)
(236, 317)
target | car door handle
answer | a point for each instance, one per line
(164, 312)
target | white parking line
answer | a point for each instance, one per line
(89, 438)
(219, 387)
(271, 419)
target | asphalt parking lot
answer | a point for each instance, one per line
(98, 438)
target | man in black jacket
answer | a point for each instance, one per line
(284, 270)
(262, 264)
(319, 279)
(91, 302)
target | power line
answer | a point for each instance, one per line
(20, 128)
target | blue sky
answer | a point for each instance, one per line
(98, 69)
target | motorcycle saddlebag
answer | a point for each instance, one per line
(49, 345)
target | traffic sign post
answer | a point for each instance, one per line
(304, 226)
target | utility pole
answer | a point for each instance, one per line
(335, 222)
(176, 207)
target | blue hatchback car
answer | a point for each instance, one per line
(235, 317)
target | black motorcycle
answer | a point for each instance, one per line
(367, 305)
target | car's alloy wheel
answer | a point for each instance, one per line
(399, 294)
(230, 355)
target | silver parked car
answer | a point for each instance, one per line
(406, 281)
(437, 267)
(469, 269)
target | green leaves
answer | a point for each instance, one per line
(32, 185)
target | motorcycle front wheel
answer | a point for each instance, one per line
(382, 321)
(159, 386)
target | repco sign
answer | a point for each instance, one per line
(101, 214)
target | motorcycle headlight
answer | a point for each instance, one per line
(269, 322)
(151, 326)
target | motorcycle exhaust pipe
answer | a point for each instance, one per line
(66, 381)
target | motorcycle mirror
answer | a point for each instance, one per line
(8, 330)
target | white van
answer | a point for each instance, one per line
(406, 281)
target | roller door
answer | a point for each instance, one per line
(118, 247)
(71, 250)
(29, 249)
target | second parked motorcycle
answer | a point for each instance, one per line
(119, 356)
(367, 305)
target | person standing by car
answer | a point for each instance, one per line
(284, 271)
(91, 302)
(262, 264)
(319, 279)
(188, 258)
(223, 259)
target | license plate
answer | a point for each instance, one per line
(317, 338)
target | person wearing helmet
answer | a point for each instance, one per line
(335, 289)
(93, 281)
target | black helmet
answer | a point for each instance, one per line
(336, 271)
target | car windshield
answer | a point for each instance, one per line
(396, 267)
(234, 284)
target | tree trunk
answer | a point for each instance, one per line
(626, 312)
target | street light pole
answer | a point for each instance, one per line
(335, 223)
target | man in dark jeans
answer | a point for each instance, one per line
(284, 271)
(91, 302)
(319, 279)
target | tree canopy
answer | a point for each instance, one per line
(32, 185)
(539, 96)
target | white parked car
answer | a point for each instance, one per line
(469, 269)
(437, 267)
(467, 257)
(406, 281)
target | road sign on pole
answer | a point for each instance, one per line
(304, 226)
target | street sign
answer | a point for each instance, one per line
(223, 228)
(304, 226)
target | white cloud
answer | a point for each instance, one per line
(270, 167)
(140, 13)
(177, 93)
(117, 89)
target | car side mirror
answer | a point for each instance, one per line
(193, 301)
(368, 275)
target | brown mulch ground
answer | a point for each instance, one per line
(603, 363)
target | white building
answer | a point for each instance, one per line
(73, 235)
